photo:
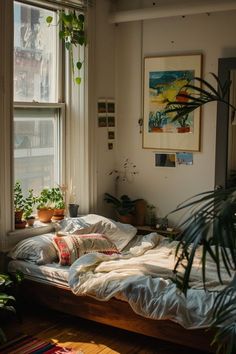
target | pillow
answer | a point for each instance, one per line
(72, 247)
(120, 234)
(37, 249)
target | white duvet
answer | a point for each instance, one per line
(142, 277)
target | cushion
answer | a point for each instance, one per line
(120, 234)
(72, 247)
(37, 249)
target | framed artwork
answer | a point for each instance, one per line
(163, 79)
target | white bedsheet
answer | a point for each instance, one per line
(141, 277)
(50, 273)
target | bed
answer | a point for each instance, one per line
(131, 289)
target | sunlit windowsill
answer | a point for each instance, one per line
(39, 228)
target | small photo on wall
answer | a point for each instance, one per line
(111, 135)
(165, 160)
(102, 121)
(184, 158)
(102, 106)
(111, 121)
(110, 106)
(110, 146)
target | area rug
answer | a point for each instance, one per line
(31, 345)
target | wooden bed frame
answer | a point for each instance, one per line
(115, 313)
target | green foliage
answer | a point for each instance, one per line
(7, 300)
(19, 201)
(211, 222)
(50, 198)
(72, 33)
(124, 205)
(30, 201)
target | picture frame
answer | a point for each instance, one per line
(163, 79)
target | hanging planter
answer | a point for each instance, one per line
(72, 33)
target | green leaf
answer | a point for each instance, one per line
(49, 19)
(79, 65)
(78, 80)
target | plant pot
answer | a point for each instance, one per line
(58, 214)
(18, 216)
(140, 212)
(126, 219)
(45, 215)
(157, 129)
(20, 225)
(30, 220)
(73, 210)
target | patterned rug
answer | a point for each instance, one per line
(31, 345)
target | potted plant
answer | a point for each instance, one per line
(45, 205)
(7, 300)
(211, 221)
(59, 203)
(30, 201)
(128, 211)
(157, 120)
(19, 203)
(72, 33)
(184, 126)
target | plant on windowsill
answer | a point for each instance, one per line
(211, 222)
(29, 203)
(45, 205)
(19, 203)
(59, 206)
(72, 33)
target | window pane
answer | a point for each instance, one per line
(35, 64)
(36, 153)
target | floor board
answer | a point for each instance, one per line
(87, 337)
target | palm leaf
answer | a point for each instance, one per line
(198, 96)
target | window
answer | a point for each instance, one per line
(37, 114)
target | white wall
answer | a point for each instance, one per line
(214, 37)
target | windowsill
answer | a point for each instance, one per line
(39, 228)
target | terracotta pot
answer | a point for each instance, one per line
(18, 216)
(58, 214)
(156, 129)
(30, 221)
(126, 219)
(20, 225)
(45, 215)
(140, 212)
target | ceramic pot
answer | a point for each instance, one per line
(58, 214)
(45, 215)
(73, 210)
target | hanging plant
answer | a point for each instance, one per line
(72, 33)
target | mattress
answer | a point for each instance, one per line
(53, 274)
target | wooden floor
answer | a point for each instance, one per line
(87, 337)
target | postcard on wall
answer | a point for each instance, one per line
(110, 106)
(102, 106)
(111, 135)
(111, 120)
(184, 158)
(102, 120)
(164, 79)
(165, 160)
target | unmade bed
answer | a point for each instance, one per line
(131, 289)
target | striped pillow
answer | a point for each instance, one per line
(71, 247)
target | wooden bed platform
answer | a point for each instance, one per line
(115, 313)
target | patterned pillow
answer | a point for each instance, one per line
(72, 247)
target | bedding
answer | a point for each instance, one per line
(37, 249)
(72, 246)
(120, 234)
(140, 276)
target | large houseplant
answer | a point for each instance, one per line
(7, 298)
(211, 221)
(72, 33)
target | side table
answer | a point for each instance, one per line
(144, 230)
